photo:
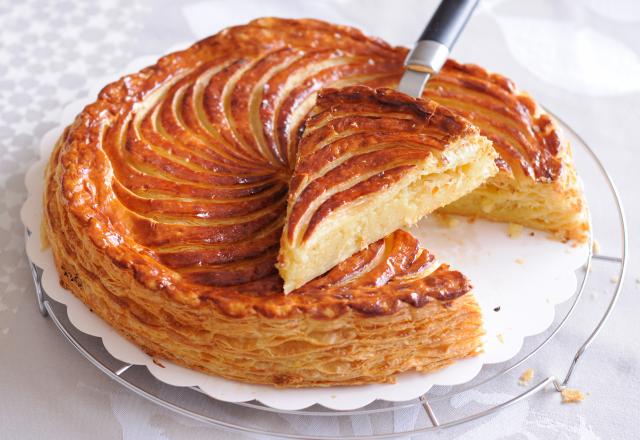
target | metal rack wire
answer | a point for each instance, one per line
(255, 418)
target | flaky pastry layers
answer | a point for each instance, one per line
(165, 202)
(372, 161)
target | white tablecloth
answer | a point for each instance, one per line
(580, 59)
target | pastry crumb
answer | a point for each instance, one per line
(595, 247)
(486, 206)
(526, 376)
(514, 230)
(158, 363)
(571, 395)
(500, 337)
(614, 280)
(447, 221)
(519, 261)
(532, 234)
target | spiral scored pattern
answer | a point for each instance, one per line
(201, 166)
(180, 172)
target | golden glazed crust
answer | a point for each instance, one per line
(371, 161)
(165, 201)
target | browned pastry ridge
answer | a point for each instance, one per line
(165, 201)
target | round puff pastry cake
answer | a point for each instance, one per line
(371, 161)
(165, 202)
(166, 198)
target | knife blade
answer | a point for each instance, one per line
(434, 45)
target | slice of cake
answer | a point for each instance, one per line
(371, 161)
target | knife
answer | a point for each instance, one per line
(434, 45)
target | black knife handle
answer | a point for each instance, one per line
(448, 21)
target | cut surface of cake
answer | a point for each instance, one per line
(371, 161)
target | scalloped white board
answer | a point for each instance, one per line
(525, 276)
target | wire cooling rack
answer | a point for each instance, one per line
(257, 419)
